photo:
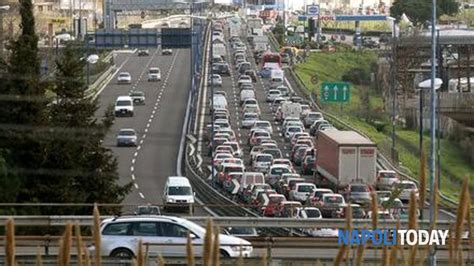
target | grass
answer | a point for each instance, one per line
(331, 67)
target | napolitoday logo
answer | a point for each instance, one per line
(386, 237)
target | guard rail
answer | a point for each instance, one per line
(234, 221)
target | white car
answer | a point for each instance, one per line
(121, 235)
(167, 52)
(262, 162)
(407, 187)
(291, 130)
(124, 78)
(301, 192)
(265, 125)
(126, 137)
(244, 79)
(272, 95)
(215, 79)
(124, 106)
(154, 74)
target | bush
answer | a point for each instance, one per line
(357, 76)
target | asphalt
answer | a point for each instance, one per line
(158, 123)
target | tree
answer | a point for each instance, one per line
(22, 106)
(419, 11)
(78, 168)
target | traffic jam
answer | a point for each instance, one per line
(270, 151)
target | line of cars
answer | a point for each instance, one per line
(125, 104)
(273, 183)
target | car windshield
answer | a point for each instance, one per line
(294, 129)
(359, 189)
(124, 75)
(279, 171)
(388, 175)
(264, 158)
(262, 124)
(154, 71)
(127, 133)
(250, 116)
(275, 153)
(408, 186)
(276, 200)
(233, 169)
(313, 213)
(305, 188)
(123, 103)
(179, 191)
(333, 199)
(137, 94)
(314, 115)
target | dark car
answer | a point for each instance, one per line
(221, 69)
(308, 165)
(252, 74)
(148, 210)
(332, 205)
(138, 97)
(143, 53)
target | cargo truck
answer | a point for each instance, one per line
(344, 157)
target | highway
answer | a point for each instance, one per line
(229, 86)
(158, 123)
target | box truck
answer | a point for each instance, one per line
(344, 157)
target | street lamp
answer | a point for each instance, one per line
(425, 85)
(433, 85)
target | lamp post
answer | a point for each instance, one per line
(433, 84)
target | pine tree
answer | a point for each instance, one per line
(22, 106)
(82, 170)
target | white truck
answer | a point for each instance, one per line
(344, 157)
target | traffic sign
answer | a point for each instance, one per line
(312, 10)
(335, 92)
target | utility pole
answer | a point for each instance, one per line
(394, 90)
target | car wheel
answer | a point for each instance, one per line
(224, 254)
(122, 253)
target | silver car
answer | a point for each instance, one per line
(127, 137)
(249, 119)
(124, 78)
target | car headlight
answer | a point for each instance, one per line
(170, 200)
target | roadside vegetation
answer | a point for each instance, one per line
(51, 151)
(365, 111)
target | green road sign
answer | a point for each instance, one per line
(336, 92)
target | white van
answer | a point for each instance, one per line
(178, 193)
(246, 94)
(124, 106)
(219, 101)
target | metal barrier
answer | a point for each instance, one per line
(260, 222)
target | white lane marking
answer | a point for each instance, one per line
(141, 195)
(132, 168)
(133, 161)
(139, 147)
(146, 129)
(136, 185)
(133, 177)
(135, 154)
(141, 141)
(143, 136)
